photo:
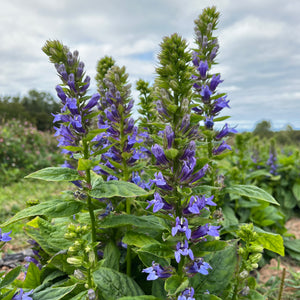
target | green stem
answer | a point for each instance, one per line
(89, 202)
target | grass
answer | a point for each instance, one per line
(13, 198)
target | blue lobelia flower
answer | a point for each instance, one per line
(157, 271)
(21, 295)
(198, 266)
(4, 237)
(182, 226)
(204, 230)
(158, 203)
(182, 248)
(187, 294)
(225, 131)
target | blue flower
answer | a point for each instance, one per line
(157, 271)
(4, 237)
(158, 203)
(196, 204)
(202, 68)
(182, 226)
(205, 93)
(204, 230)
(187, 294)
(225, 131)
(198, 266)
(161, 182)
(222, 147)
(22, 296)
(159, 154)
(215, 81)
(183, 249)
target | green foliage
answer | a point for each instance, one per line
(24, 149)
(34, 108)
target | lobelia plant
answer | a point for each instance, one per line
(117, 235)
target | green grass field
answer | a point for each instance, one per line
(13, 198)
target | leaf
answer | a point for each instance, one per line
(86, 164)
(114, 221)
(114, 284)
(258, 173)
(204, 189)
(221, 118)
(93, 133)
(250, 191)
(223, 265)
(144, 297)
(115, 188)
(229, 216)
(138, 239)
(270, 241)
(209, 246)
(55, 174)
(157, 249)
(111, 256)
(158, 289)
(293, 245)
(53, 293)
(147, 259)
(52, 209)
(10, 277)
(176, 284)
(33, 275)
(49, 236)
(296, 190)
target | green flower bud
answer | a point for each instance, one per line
(75, 260)
(254, 258)
(244, 274)
(256, 248)
(79, 275)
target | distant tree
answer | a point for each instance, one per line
(263, 129)
(36, 108)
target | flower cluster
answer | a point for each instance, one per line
(210, 103)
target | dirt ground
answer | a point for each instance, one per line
(276, 268)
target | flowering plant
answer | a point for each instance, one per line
(144, 221)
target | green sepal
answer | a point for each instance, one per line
(171, 153)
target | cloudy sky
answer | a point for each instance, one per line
(259, 57)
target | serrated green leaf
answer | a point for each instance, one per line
(51, 293)
(115, 188)
(296, 190)
(250, 191)
(144, 297)
(115, 221)
(114, 284)
(270, 241)
(10, 277)
(111, 256)
(55, 174)
(86, 164)
(52, 208)
(223, 265)
(138, 239)
(159, 250)
(32, 279)
(292, 245)
(209, 246)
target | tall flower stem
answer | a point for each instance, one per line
(89, 201)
